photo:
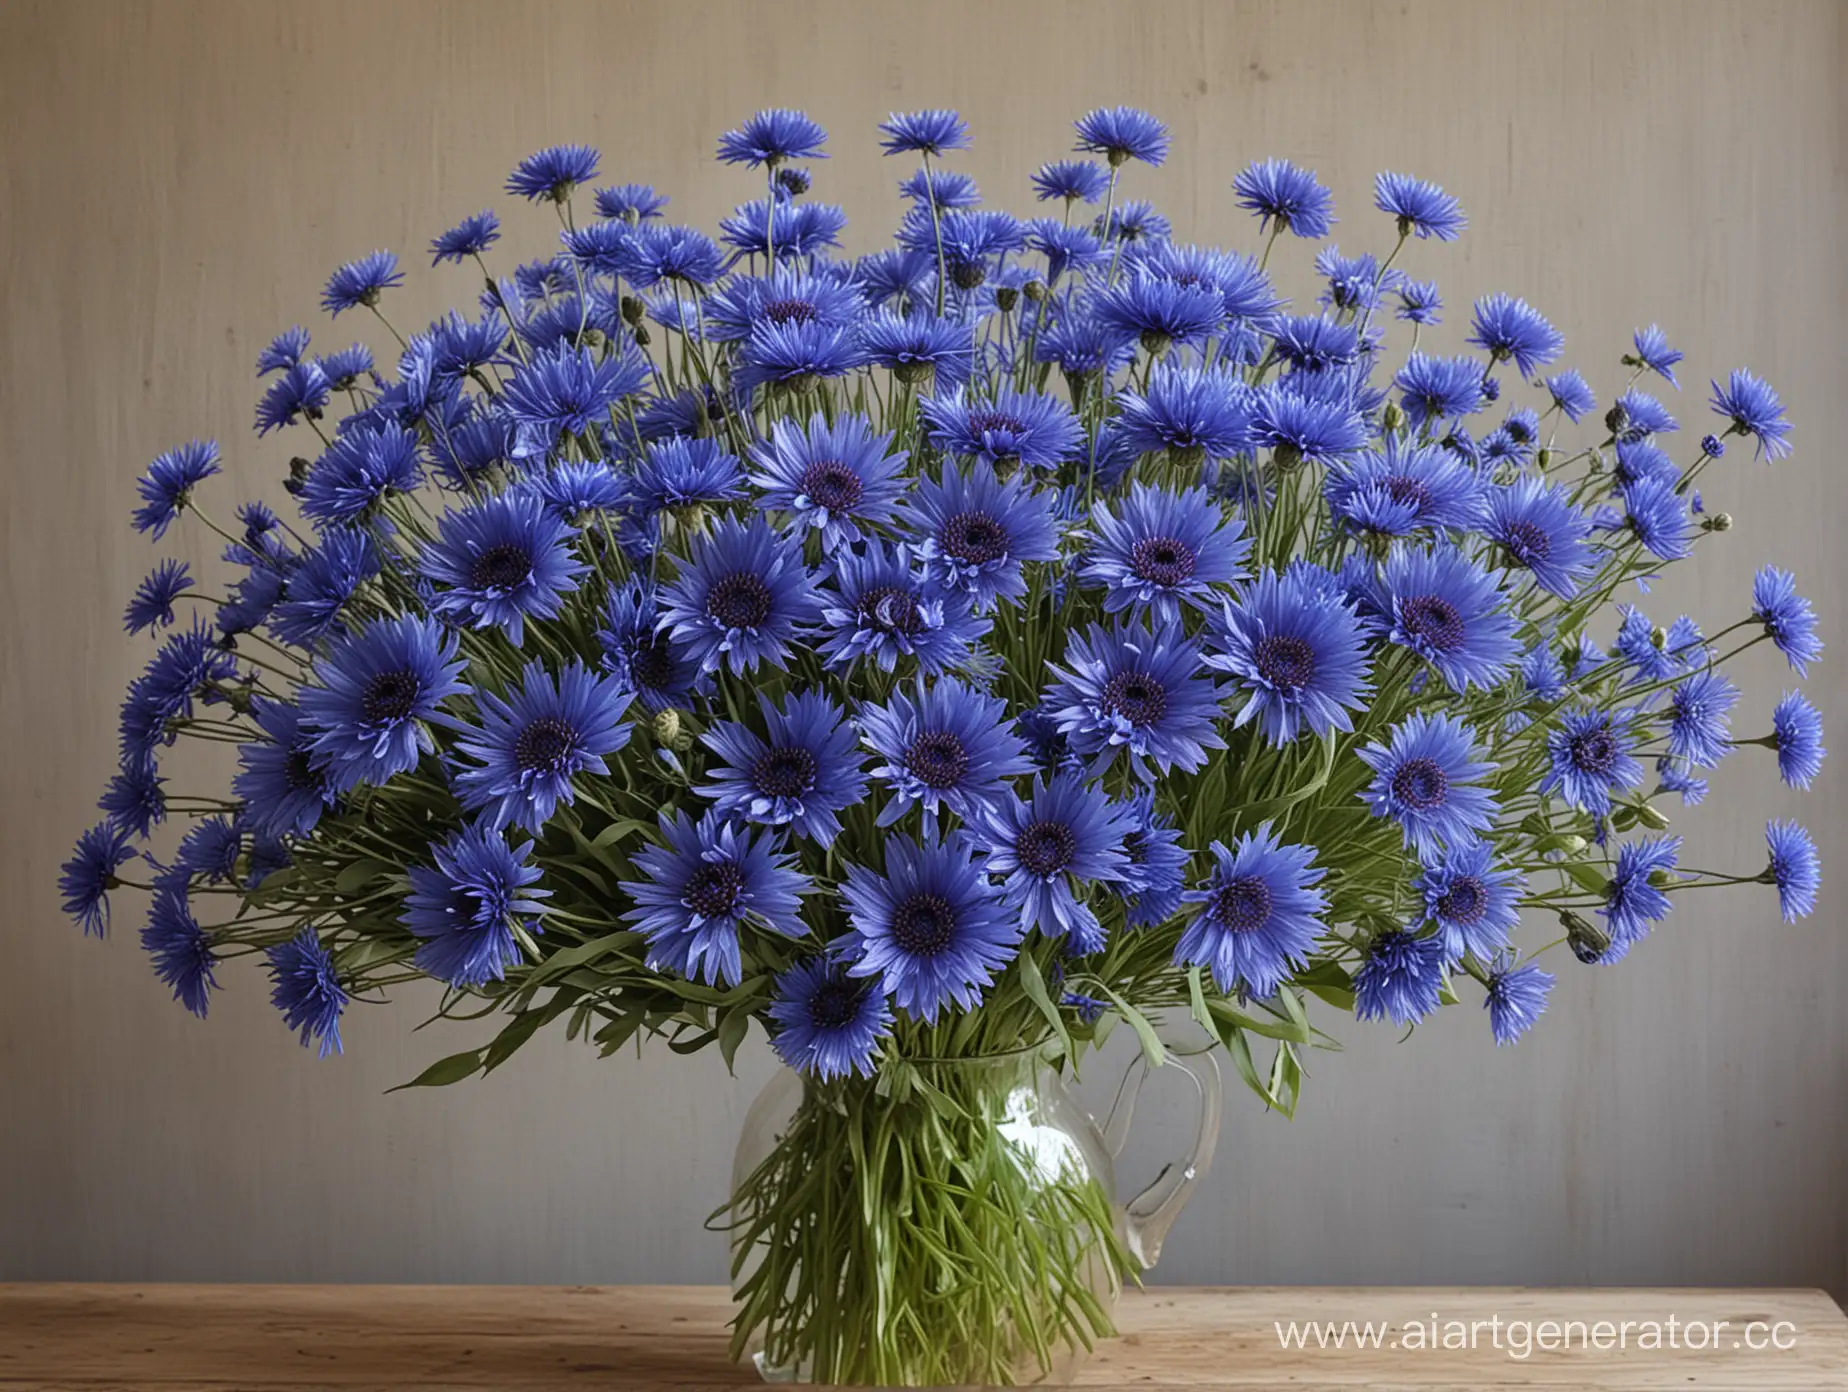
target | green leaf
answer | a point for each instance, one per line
(1196, 1002)
(359, 872)
(1589, 877)
(1145, 1032)
(1034, 984)
(445, 1071)
(733, 1027)
(617, 832)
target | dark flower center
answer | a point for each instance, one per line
(937, 759)
(924, 925)
(500, 567)
(1594, 751)
(1136, 847)
(1162, 560)
(833, 1005)
(1286, 661)
(789, 311)
(892, 610)
(1464, 902)
(1047, 847)
(1434, 619)
(975, 538)
(651, 664)
(1527, 541)
(991, 422)
(391, 696)
(1409, 490)
(1136, 696)
(968, 274)
(785, 772)
(713, 889)
(1518, 431)
(739, 600)
(832, 485)
(1243, 905)
(546, 745)
(1420, 784)
(298, 772)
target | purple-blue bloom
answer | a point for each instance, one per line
(1278, 192)
(1516, 997)
(1796, 734)
(827, 1024)
(1400, 979)
(1063, 836)
(802, 772)
(467, 907)
(1750, 407)
(1121, 133)
(1795, 869)
(307, 990)
(1420, 207)
(1427, 777)
(1259, 914)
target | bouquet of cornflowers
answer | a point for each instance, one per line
(943, 653)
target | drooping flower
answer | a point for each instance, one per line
(932, 929)
(283, 351)
(1121, 133)
(1453, 614)
(1259, 914)
(1515, 998)
(1433, 390)
(923, 132)
(1063, 836)
(1653, 352)
(1540, 531)
(1573, 396)
(469, 237)
(322, 584)
(827, 1025)
(681, 256)
(151, 606)
(1156, 875)
(640, 654)
(1698, 712)
(376, 689)
(1797, 736)
(1166, 550)
(801, 773)
(1788, 617)
(1400, 979)
(1512, 330)
(1146, 694)
(1297, 650)
(1422, 208)
(283, 788)
(87, 877)
(1658, 518)
(209, 852)
(1795, 869)
(837, 479)
(181, 950)
(1277, 191)
(467, 907)
(1634, 897)
(361, 469)
(1751, 407)
(946, 747)
(1427, 778)
(879, 605)
(167, 486)
(361, 282)
(920, 348)
(740, 599)
(1591, 757)
(1192, 413)
(795, 355)
(773, 137)
(307, 990)
(1473, 901)
(1030, 428)
(1074, 181)
(1419, 302)
(301, 390)
(1639, 415)
(536, 739)
(973, 531)
(946, 188)
(500, 562)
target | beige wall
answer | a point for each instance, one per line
(178, 178)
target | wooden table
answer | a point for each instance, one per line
(526, 1338)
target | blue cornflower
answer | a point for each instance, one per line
(1299, 427)
(461, 346)
(1064, 835)
(1028, 427)
(1573, 395)
(1452, 613)
(827, 1025)
(707, 882)
(1752, 408)
(87, 877)
(283, 351)
(1419, 302)
(568, 391)
(1166, 550)
(469, 237)
(321, 585)
(1420, 207)
(1065, 248)
(795, 354)
(1157, 312)
(1146, 694)
(500, 562)
(209, 850)
(377, 689)
(1401, 979)
(920, 348)
(1404, 487)
(1634, 897)
(1156, 876)
(301, 390)
(897, 274)
(1675, 777)
(659, 251)
(250, 601)
(838, 479)
(536, 739)
(878, 605)
(1432, 390)
(1121, 133)
(361, 282)
(1314, 343)
(283, 787)
(1512, 330)
(553, 172)
(1473, 902)
(1591, 756)
(468, 453)
(1639, 459)
(1714, 448)
(744, 302)
(307, 990)
(932, 929)
(740, 599)
(1075, 181)
(1540, 531)
(1298, 651)
(1698, 711)
(468, 908)
(181, 950)
(640, 655)
(773, 137)
(946, 188)
(1658, 517)
(1195, 413)
(1276, 190)
(946, 747)
(152, 603)
(633, 202)
(1133, 222)
(680, 473)
(923, 132)
(167, 486)
(1787, 616)
(1426, 778)
(1796, 734)
(1259, 914)
(135, 800)
(1353, 282)
(1653, 352)
(804, 771)
(575, 490)
(358, 471)
(1083, 348)
(1639, 415)
(345, 366)
(974, 531)
(1795, 869)
(1245, 294)
(1516, 997)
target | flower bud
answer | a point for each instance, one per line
(1649, 817)
(1392, 418)
(1720, 522)
(1034, 291)
(1588, 941)
(667, 726)
(1006, 298)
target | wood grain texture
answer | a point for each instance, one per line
(523, 1339)
(177, 178)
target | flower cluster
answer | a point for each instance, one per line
(1035, 624)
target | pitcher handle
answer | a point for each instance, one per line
(1149, 1215)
